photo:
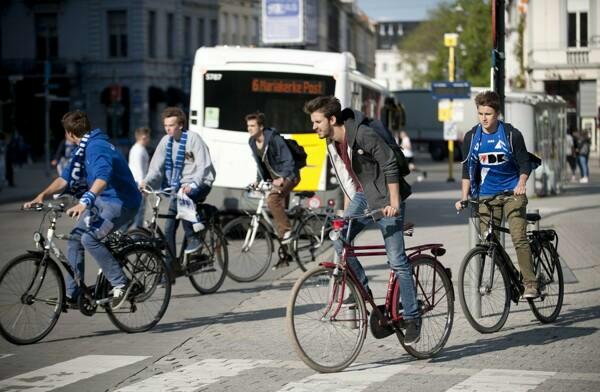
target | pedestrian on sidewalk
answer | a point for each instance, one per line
(275, 163)
(571, 153)
(404, 141)
(367, 171)
(62, 155)
(583, 154)
(139, 160)
(496, 161)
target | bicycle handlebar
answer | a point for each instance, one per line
(161, 192)
(464, 203)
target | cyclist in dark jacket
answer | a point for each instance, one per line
(367, 171)
(275, 162)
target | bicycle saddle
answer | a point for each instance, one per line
(533, 216)
(305, 194)
(207, 210)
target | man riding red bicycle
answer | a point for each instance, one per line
(367, 172)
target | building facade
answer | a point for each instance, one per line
(391, 67)
(565, 60)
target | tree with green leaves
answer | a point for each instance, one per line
(472, 19)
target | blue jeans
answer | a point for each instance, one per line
(198, 195)
(84, 237)
(583, 165)
(391, 229)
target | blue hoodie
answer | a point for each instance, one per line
(103, 161)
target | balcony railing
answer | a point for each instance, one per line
(577, 57)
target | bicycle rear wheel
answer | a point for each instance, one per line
(247, 263)
(307, 243)
(212, 268)
(150, 294)
(484, 297)
(548, 270)
(32, 294)
(436, 306)
(326, 338)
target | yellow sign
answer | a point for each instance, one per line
(450, 40)
(316, 162)
(444, 110)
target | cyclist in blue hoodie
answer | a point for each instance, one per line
(108, 198)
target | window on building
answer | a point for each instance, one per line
(577, 23)
(117, 33)
(333, 32)
(201, 36)
(46, 38)
(187, 36)
(255, 27)
(381, 29)
(152, 34)
(244, 31)
(170, 35)
(225, 29)
(214, 32)
(234, 30)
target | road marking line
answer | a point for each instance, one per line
(500, 380)
(354, 379)
(2, 356)
(196, 376)
(68, 372)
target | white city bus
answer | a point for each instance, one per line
(230, 82)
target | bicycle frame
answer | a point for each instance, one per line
(391, 295)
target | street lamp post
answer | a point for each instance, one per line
(450, 41)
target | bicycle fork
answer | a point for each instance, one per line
(250, 234)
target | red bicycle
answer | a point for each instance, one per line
(327, 316)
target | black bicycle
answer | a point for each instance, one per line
(489, 281)
(32, 287)
(207, 267)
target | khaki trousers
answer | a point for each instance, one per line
(277, 202)
(515, 210)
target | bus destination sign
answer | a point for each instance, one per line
(288, 86)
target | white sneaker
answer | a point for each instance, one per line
(119, 295)
(287, 237)
(584, 180)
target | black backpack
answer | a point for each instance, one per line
(382, 131)
(297, 151)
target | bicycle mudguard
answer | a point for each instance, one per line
(38, 253)
(327, 264)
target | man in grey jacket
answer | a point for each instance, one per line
(368, 174)
(181, 160)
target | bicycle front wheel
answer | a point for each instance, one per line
(150, 291)
(307, 244)
(250, 258)
(325, 334)
(483, 289)
(435, 299)
(548, 270)
(212, 269)
(32, 294)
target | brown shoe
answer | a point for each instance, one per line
(531, 290)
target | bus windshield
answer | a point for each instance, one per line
(230, 95)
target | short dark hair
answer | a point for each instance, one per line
(145, 131)
(258, 116)
(174, 111)
(328, 105)
(488, 98)
(76, 122)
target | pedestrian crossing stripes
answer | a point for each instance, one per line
(195, 376)
(202, 374)
(490, 380)
(68, 372)
(356, 379)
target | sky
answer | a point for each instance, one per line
(401, 10)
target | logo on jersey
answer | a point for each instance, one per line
(492, 158)
(500, 145)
